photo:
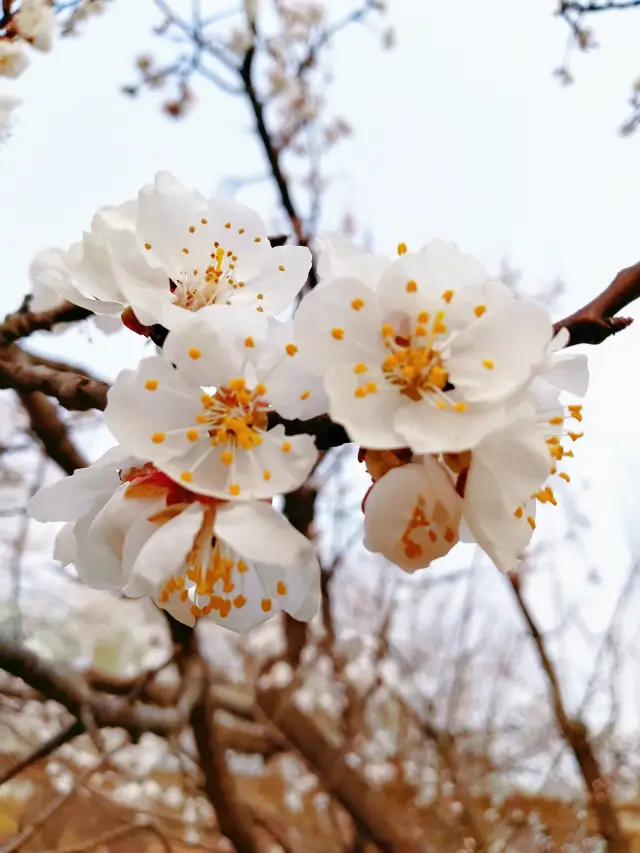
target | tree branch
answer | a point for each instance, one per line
(371, 811)
(24, 323)
(51, 431)
(577, 737)
(219, 787)
(75, 392)
(43, 750)
(73, 693)
(595, 322)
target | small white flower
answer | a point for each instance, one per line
(427, 359)
(238, 563)
(8, 105)
(83, 274)
(493, 501)
(215, 442)
(412, 515)
(192, 252)
(13, 59)
(36, 22)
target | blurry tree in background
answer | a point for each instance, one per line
(431, 713)
(581, 18)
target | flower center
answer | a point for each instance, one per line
(235, 415)
(419, 521)
(213, 577)
(208, 279)
(414, 364)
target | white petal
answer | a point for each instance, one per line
(331, 331)
(259, 533)
(273, 288)
(339, 258)
(217, 336)
(502, 536)
(163, 554)
(428, 429)
(497, 355)
(303, 596)
(371, 421)
(568, 371)
(412, 515)
(180, 610)
(293, 390)
(166, 212)
(508, 466)
(98, 566)
(431, 281)
(135, 414)
(64, 548)
(72, 497)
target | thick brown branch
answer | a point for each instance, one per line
(52, 432)
(597, 321)
(75, 392)
(371, 810)
(24, 323)
(577, 737)
(72, 692)
(234, 820)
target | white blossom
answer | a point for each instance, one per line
(137, 532)
(217, 443)
(172, 251)
(412, 515)
(427, 359)
(36, 22)
(13, 59)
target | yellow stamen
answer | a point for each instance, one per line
(337, 334)
(234, 489)
(448, 295)
(357, 304)
(193, 434)
(151, 384)
(412, 286)
(158, 437)
(291, 349)
(402, 248)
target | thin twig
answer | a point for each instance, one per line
(576, 735)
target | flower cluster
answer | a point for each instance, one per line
(34, 24)
(449, 384)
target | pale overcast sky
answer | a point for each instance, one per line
(461, 132)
